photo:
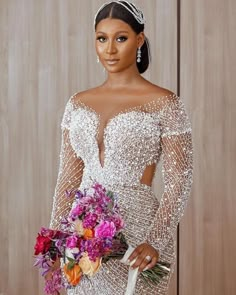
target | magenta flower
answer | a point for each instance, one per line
(71, 242)
(54, 285)
(87, 201)
(76, 212)
(118, 221)
(98, 210)
(90, 220)
(95, 208)
(105, 229)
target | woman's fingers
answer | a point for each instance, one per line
(140, 254)
(151, 264)
(139, 261)
(135, 253)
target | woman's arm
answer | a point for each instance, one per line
(70, 172)
(177, 171)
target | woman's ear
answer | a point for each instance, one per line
(140, 39)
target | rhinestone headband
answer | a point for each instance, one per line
(134, 10)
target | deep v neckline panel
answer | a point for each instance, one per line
(101, 141)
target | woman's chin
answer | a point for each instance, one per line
(113, 69)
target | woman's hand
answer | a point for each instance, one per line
(146, 257)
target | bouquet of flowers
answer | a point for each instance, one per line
(91, 234)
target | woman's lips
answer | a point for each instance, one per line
(111, 61)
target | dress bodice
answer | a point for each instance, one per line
(132, 139)
(131, 142)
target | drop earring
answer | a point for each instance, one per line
(98, 59)
(139, 55)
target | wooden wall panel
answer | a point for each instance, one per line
(46, 54)
(208, 70)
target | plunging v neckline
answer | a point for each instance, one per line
(128, 110)
(106, 126)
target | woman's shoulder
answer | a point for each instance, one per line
(148, 93)
(85, 94)
(159, 95)
(158, 91)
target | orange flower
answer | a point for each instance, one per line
(88, 233)
(73, 275)
(88, 266)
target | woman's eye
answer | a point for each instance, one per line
(101, 39)
(122, 38)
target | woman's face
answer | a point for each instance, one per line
(117, 44)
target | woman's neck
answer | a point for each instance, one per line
(122, 79)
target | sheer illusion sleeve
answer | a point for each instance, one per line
(70, 171)
(177, 172)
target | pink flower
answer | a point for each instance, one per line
(76, 212)
(118, 221)
(105, 229)
(90, 220)
(71, 242)
(55, 284)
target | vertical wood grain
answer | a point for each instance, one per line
(47, 54)
(208, 70)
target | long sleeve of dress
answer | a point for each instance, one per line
(70, 172)
(177, 172)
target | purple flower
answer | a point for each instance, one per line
(71, 242)
(94, 247)
(69, 193)
(87, 201)
(90, 220)
(99, 188)
(43, 263)
(107, 244)
(99, 211)
(60, 246)
(78, 194)
(76, 212)
(55, 284)
(118, 221)
(106, 229)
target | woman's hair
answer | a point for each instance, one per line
(115, 10)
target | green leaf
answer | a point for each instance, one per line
(70, 259)
(70, 265)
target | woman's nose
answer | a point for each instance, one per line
(111, 47)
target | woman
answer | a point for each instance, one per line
(115, 133)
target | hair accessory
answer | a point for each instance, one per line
(139, 55)
(133, 9)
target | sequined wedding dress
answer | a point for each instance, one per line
(134, 138)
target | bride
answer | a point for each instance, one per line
(116, 133)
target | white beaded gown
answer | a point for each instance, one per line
(133, 139)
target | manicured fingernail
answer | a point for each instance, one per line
(132, 262)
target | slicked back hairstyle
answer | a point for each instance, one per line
(117, 11)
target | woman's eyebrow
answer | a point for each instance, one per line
(116, 32)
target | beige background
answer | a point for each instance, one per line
(47, 54)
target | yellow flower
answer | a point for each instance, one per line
(79, 227)
(88, 266)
